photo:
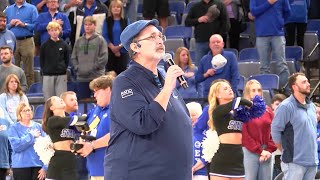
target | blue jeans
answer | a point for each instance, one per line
(254, 169)
(295, 171)
(275, 46)
(131, 10)
(202, 48)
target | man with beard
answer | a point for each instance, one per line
(7, 68)
(70, 99)
(151, 132)
(6, 36)
(294, 130)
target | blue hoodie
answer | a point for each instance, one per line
(269, 19)
(299, 11)
(22, 141)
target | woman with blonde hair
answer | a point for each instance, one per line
(183, 60)
(26, 163)
(11, 97)
(115, 23)
(227, 162)
(256, 139)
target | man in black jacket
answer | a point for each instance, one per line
(204, 28)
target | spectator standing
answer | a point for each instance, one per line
(208, 73)
(296, 23)
(114, 25)
(99, 122)
(21, 18)
(235, 14)
(6, 36)
(5, 163)
(11, 97)
(3, 5)
(183, 60)
(90, 53)
(69, 7)
(52, 15)
(54, 60)
(269, 21)
(275, 102)
(131, 9)
(149, 125)
(205, 26)
(198, 169)
(26, 163)
(93, 8)
(295, 121)
(7, 68)
(256, 139)
(161, 7)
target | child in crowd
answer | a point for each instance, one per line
(54, 59)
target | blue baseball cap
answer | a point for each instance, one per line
(133, 29)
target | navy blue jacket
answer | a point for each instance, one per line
(146, 141)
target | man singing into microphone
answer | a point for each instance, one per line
(151, 135)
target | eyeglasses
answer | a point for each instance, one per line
(26, 110)
(154, 37)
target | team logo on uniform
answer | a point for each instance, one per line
(197, 144)
(126, 93)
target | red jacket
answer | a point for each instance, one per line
(256, 133)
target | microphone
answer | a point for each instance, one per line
(168, 58)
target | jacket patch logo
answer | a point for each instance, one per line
(126, 93)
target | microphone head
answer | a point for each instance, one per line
(166, 57)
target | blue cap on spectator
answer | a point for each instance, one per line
(133, 29)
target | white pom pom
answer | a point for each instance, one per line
(43, 146)
(210, 145)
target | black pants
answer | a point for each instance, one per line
(26, 173)
(62, 166)
(234, 33)
(117, 64)
(3, 173)
(294, 30)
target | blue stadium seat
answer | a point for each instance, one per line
(177, 7)
(84, 108)
(248, 55)
(38, 112)
(235, 51)
(36, 63)
(268, 82)
(175, 32)
(35, 90)
(313, 25)
(295, 53)
(189, 5)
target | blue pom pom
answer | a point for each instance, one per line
(242, 114)
(258, 108)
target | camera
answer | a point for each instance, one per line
(82, 126)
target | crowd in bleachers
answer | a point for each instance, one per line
(52, 46)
